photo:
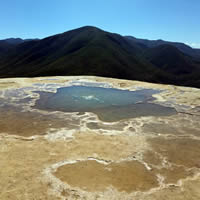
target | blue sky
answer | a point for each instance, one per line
(172, 20)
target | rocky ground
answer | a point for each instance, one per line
(57, 155)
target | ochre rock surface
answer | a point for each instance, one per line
(56, 155)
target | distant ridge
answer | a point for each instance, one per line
(9, 43)
(154, 43)
(91, 51)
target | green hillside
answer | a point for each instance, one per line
(92, 51)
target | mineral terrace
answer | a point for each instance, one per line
(50, 155)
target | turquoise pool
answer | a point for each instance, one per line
(109, 104)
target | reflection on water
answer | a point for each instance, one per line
(108, 103)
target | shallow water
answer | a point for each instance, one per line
(108, 103)
(92, 176)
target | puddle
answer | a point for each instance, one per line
(108, 103)
(91, 176)
(97, 126)
(15, 122)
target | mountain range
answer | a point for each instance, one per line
(91, 51)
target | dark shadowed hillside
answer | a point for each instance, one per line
(170, 59)
(154, 43)
(8, 45)
(92, 51)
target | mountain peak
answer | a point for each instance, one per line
(14, 40)
(89, 50)
(87, 28)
